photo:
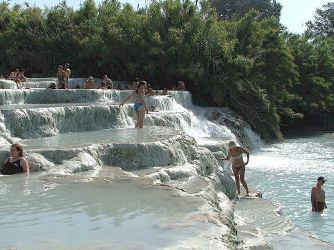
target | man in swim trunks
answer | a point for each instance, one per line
(62, 77)
(318, 196)
(238, 165)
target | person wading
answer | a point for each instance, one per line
(238, 165)
(139, 105)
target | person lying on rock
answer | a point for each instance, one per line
(16, 163)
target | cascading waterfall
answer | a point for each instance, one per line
(84, 133)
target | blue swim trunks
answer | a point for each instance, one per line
(138, 106)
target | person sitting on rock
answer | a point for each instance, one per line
(16, 163)
(52, 86)
(90, 84)
(154, 108)
(103, 85)
(13, 75)
(21, 79)
(181, 86)
(149, 90)
(107, 81)
(21, 76)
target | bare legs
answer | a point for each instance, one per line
(239, 175)
(140, 118)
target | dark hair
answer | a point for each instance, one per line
(61, 85)
(322, 179)
(18, 148)
(67, 64)
(140, 84)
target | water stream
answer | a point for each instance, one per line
(100, 183)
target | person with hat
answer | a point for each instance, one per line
(318, 196)
(238, 165)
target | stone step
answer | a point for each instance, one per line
(126, 148)
(41, 96)
(40, 120)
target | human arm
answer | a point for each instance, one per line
(129, 96)
(142, 98)
(227, 157)
(313, 200)
(65, 75)
(244, 151)
(25, 165)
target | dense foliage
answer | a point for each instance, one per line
(241, 58)
(323, 24)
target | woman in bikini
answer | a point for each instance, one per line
(238, 165)
(139, 106)
(16, 163)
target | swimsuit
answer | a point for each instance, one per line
(237, 158)
(138, 104)
(12, 167)
(318, 200)
(61, 79)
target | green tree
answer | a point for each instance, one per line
(323, 24)
(235, 9)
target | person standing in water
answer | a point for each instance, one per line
(318, 196)
(238, 165)
(139, 106)
(16, 163)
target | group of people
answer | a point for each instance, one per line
(18, 76)
(106, 83)
(17, 163)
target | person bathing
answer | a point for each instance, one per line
(139, 105)
(238, 165)
(16, 163)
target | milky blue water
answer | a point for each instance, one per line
(285, 173)
(71, 212)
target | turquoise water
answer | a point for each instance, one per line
(286, 172)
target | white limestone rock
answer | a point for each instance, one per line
(7, 84)
(38, 163)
